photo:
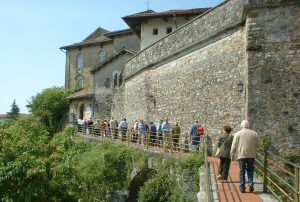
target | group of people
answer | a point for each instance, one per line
(160, 133)
(242, 146)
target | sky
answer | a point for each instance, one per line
(32, 32)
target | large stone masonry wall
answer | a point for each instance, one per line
(225, 16)
(201, 85)
(274, 72)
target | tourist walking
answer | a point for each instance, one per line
(123, 126)
(153, 132)
(141, 131)
(166, 130)
(244, 146)
(113, 128)
(175, 136)
(159, 133)
(195, 137)
(224, 144)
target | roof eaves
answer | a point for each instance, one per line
(100, 65)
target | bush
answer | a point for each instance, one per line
(191, 165)
(159, 188)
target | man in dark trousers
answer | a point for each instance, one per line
(244, 146)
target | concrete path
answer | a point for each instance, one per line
(229, 191)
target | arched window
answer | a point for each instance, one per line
(101, 56)
(107, 82)
(79, 81)
(79, 61)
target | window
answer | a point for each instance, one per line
(121, 78)
(155, 31)
(168, 30)
(79, 61)
(101, 56)
(107, 82)
(79, 81)
(115, 80)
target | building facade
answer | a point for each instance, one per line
(151, 26)
(87, 55)
(239, 60)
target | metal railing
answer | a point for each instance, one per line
(168, 141)
(279, 176)
(207, 183)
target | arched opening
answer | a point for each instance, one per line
(81, 110)
(137, 182)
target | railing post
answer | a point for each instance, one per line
(171, 140)
(265, 174)
(147, 139)
(297, 184)
(128, 135)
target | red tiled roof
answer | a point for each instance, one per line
(84, 93)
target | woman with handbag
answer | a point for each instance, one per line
(224, 145)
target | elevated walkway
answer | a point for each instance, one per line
(229, 191)
(222, 191)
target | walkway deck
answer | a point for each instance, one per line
(229, 191)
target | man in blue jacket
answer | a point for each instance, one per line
(195, 137)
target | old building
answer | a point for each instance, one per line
(151, 26)
(108, 77)
(82, 57)
(239, 60)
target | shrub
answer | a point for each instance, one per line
(159, 188)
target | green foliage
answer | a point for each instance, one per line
(14, 111)
(23, 166)
(38, 166)
(159, 188)
(191, 165)
(265, 142)
(106, 166)
(51, 106)
(293, 157)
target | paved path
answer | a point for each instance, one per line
(229, 191)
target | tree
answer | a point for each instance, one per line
(51, 106)
(14, 111)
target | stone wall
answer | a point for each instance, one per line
(226, 15)
(273, 45)
(102, 103)
(193, 73)
(201, 85)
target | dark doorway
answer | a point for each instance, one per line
(137, 182)
(81, 111)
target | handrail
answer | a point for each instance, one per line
(207, 172)
(284, 184)
(169, 142)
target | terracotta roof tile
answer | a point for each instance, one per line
(87, 92)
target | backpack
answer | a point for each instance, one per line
(200, 130)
